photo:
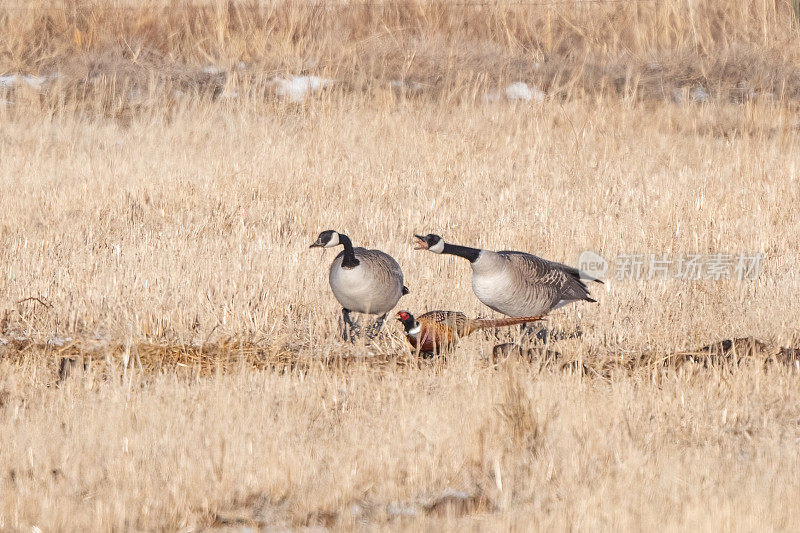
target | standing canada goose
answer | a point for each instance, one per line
(515, 283)
(364, 281)
(438, 330)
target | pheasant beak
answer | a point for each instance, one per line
(419, 242)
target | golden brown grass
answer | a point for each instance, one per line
(113, 56)
(196, 230)
(165, 244)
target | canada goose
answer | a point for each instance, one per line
(438, 330)
(515, 283)
(364, 281)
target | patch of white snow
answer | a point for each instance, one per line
(406, 85)
(700, 95)
(297, 88)
(520, 90)
(59, 341)
(34, 82)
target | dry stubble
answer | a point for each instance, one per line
(191, 224)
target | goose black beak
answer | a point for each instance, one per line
(419, 242)
(316, 245)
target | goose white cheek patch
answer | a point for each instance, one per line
(334, 241)
(438, 247)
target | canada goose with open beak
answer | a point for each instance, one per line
(515, 283)
(364, 281)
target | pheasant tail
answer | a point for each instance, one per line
(482, 323)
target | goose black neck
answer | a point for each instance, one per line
(349, 260)
(470, 254)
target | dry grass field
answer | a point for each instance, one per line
(169, 347)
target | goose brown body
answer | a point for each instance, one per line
(374, 286)
(516, 284)
(520, 284)
(362, 280)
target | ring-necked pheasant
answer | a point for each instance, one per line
(438, 330)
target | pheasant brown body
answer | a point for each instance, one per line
(438, 330)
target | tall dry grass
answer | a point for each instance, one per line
(643, 49)
(366, 449)
(196, 229)
(182, 224)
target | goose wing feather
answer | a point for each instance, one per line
(556, 280)
(382, 264)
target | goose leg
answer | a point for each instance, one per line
(376, 327)
(350, 328)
